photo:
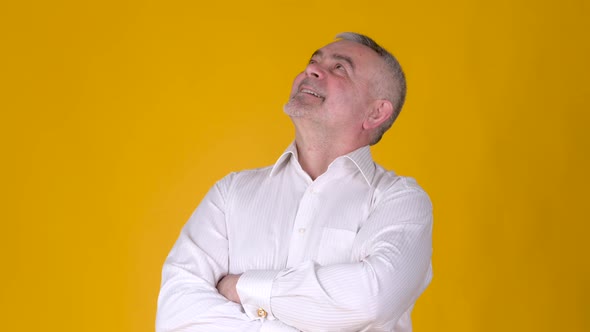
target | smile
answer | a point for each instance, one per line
(311, 92)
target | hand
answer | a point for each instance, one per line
(227, 287)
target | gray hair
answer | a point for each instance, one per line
(397, 93)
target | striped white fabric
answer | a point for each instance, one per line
(349, 251)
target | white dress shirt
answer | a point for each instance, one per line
(348, 251)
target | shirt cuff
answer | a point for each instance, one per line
(254, 289)
(276, 326)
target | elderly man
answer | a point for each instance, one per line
(324, 239)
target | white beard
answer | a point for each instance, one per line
(296, 107)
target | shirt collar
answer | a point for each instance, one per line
(279, 164)
(360, 157)
(363, 160)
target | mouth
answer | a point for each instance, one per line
(311, 92)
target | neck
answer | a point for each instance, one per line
(315, 155)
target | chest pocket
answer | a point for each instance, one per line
(335, 246)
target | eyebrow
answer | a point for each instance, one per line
(336, 56)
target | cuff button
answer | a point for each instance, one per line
(261, 313)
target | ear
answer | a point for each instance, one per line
(380, 111)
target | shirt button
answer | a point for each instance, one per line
(261, 313)
(302, 230)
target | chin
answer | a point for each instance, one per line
(293, 110)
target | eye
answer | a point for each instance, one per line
(311, 61)
(340, 68)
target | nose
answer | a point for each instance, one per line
(314, 70)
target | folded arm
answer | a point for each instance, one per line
(390, 269)
(189, 299)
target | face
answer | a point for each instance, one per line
(335, 88)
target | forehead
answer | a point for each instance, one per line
(361, 55)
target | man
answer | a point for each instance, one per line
(323, 240)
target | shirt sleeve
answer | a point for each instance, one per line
(189, 300)
(390, 268)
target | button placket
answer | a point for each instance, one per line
(299, 238)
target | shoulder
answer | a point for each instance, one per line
(385, 180)
(244, 179)
(391, 188)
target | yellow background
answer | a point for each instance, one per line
(117, 116)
